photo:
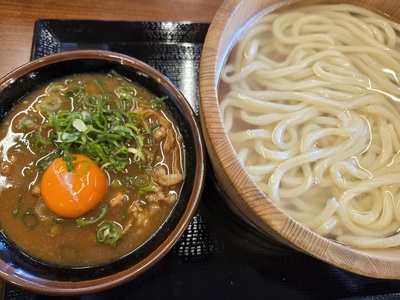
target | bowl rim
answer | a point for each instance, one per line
(284, 228)
(68, 288)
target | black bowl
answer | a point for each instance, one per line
(18, 268)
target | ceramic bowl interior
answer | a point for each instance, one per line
(18, 268)
(240, 193)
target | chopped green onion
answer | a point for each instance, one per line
(116, 183)
(49, 103)
(159, 102)
(27, 123)
(17, 206)
(75, 91)
(106, 127)
(99, 84)
(79, 125)
(116, 74)
(144, 183)
(82, 222)
(30, 219)
(55, 88)
(137, 153)
(109, 232)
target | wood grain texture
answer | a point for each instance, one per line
(242, 195)
(17, 19)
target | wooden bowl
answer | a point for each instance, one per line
(18, 268)
(240, 193)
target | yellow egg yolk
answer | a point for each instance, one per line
(72, 194)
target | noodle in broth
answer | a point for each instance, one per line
(312, 112)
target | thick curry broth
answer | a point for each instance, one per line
(42, 234)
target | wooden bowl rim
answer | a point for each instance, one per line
(369, 263)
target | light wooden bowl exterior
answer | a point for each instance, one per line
(241, 193)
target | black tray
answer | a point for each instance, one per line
(219, 256)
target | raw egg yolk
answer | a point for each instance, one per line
(72, 194)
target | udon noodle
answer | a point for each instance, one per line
(312, 111)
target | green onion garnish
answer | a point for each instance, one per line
(109, 232)
(105, 127)
(83, 222)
